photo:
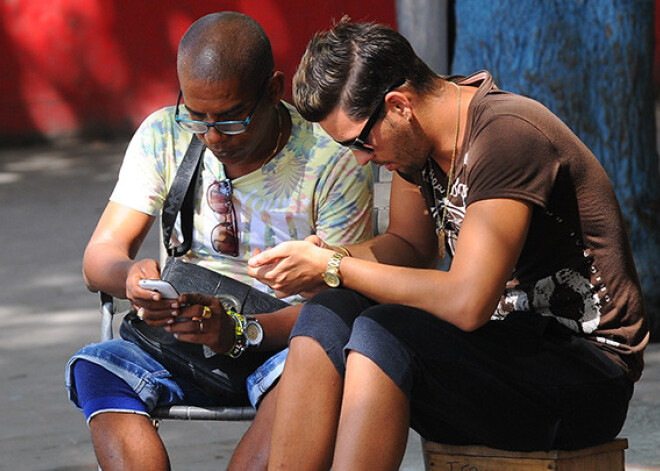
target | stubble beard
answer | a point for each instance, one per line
(410, 156)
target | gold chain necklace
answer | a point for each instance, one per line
(450, 177)
(279, 135)
(277, 144)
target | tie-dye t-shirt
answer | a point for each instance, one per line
(312, 186)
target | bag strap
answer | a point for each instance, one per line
(181, 199)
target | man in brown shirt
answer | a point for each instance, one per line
(534, 336)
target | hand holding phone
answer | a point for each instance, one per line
(165, 288)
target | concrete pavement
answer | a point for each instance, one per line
(51, 200)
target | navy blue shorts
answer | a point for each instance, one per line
(522, 383)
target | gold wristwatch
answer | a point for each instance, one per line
(331, 275)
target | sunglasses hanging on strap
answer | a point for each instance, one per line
(219, 375)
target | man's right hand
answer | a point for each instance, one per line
(153, 309)
(291, 267)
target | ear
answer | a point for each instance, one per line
(400, 104)
(275, 87)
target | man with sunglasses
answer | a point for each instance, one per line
(266, 176)
(534, 336)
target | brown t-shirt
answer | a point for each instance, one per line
(576, 264)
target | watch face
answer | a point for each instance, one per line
(331, 279)
(254, 333)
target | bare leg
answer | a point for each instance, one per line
(308, 405)
(126, 442)
(253, 449)
(375, 417)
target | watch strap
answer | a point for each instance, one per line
(332, 270)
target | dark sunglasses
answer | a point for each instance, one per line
(360, 142)
(224, 236)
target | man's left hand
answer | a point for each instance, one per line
(203, 320)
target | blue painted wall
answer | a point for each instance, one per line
(591, 63)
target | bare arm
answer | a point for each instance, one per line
(410, 240)
(491, 238)
(487, 249)
(109, 265)
(410, 237)
(110, 253)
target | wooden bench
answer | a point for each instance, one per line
(606, 457)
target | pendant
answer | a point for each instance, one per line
(441, 244)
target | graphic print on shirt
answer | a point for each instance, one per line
(567, 295)
(437, 193)
(558, 295)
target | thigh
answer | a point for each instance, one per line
(151, 381)
(524, 382)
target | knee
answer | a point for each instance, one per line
(389, 327)
(391, 317)
(328, 317)
(344, 303)
(381, 335)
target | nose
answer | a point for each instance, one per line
(213, 137)
(363, 158)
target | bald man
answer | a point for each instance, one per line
(285, 178)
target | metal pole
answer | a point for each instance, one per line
(424, 24)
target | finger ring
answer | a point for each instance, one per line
(201, 326)
(140, 313)
(207, 312)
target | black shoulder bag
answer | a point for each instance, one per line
(216, 374)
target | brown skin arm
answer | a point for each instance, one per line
(110, 253)
(109, 263)
(410, 240)
(109, 266)
(491, 238)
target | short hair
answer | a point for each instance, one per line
(225, 45)
(351, 66)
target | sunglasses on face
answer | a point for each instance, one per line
(360, 142)
(224, 236)
(230, 128)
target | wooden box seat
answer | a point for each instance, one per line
(606, 457)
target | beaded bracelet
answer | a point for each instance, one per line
(239, 337)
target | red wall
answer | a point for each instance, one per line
(71, 67)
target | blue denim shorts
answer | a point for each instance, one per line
(155, 385)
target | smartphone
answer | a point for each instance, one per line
(165, 288)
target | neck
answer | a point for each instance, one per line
(444, 113)
(278, 138)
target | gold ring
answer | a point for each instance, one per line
(201, 326)
(140, 313)
(207, 312)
